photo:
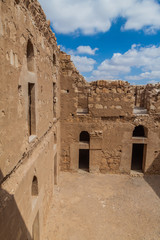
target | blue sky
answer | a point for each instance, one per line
(109, 39)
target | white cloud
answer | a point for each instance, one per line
(83, 64)
(86, 50)
(93, 16)
(83, 50)
(145, 75)
(145, 59)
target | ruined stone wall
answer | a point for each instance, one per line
(148, 97)
(105, 109)
(45, 104)
(29, 116)
(153, 98)
(111, 98)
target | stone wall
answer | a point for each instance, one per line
(111, 98)
(106, 110)
(45, 106)
(29, 117)
(148, 97)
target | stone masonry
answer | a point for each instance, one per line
(51, 118)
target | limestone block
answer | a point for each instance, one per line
(98, 106)
(90, 105)
(114, 90)
(119, 90)
(118, 107)
(152, 107)
(105, 90)
(90, 99)
(98, 90)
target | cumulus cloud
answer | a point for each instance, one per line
(145, 59)
(86, 50)
(82, 50)
(93, 16)
(83, 64)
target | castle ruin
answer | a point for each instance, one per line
(51, 119)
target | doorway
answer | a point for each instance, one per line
(84, 159)
(138, 157)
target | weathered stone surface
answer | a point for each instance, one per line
(24, 155)
(111, 107)
(48, 113)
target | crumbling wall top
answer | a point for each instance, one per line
(109, 83)
(68, 69)
(39, 17)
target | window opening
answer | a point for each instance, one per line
(54, 59)
(30, 56)
(31, 109)
(34, 186)
(54, 100)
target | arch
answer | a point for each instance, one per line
(35, 186)
(140, 131)
(30, 56)
(84, 136)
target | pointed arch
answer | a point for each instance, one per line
(30, 56)
(35, 186)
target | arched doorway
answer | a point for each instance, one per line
(139, 148)
(84, 140)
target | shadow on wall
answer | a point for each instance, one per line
(12, 225)
(154, 180)
(155, 166)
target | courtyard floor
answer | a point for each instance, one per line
(104, 207)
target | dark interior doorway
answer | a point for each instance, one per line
(84, 159)
(137, 157)
(84, 137)
(139, 131)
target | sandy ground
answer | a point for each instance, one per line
(105, 207)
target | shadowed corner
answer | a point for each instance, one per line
(12, 225)
(152, 176)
